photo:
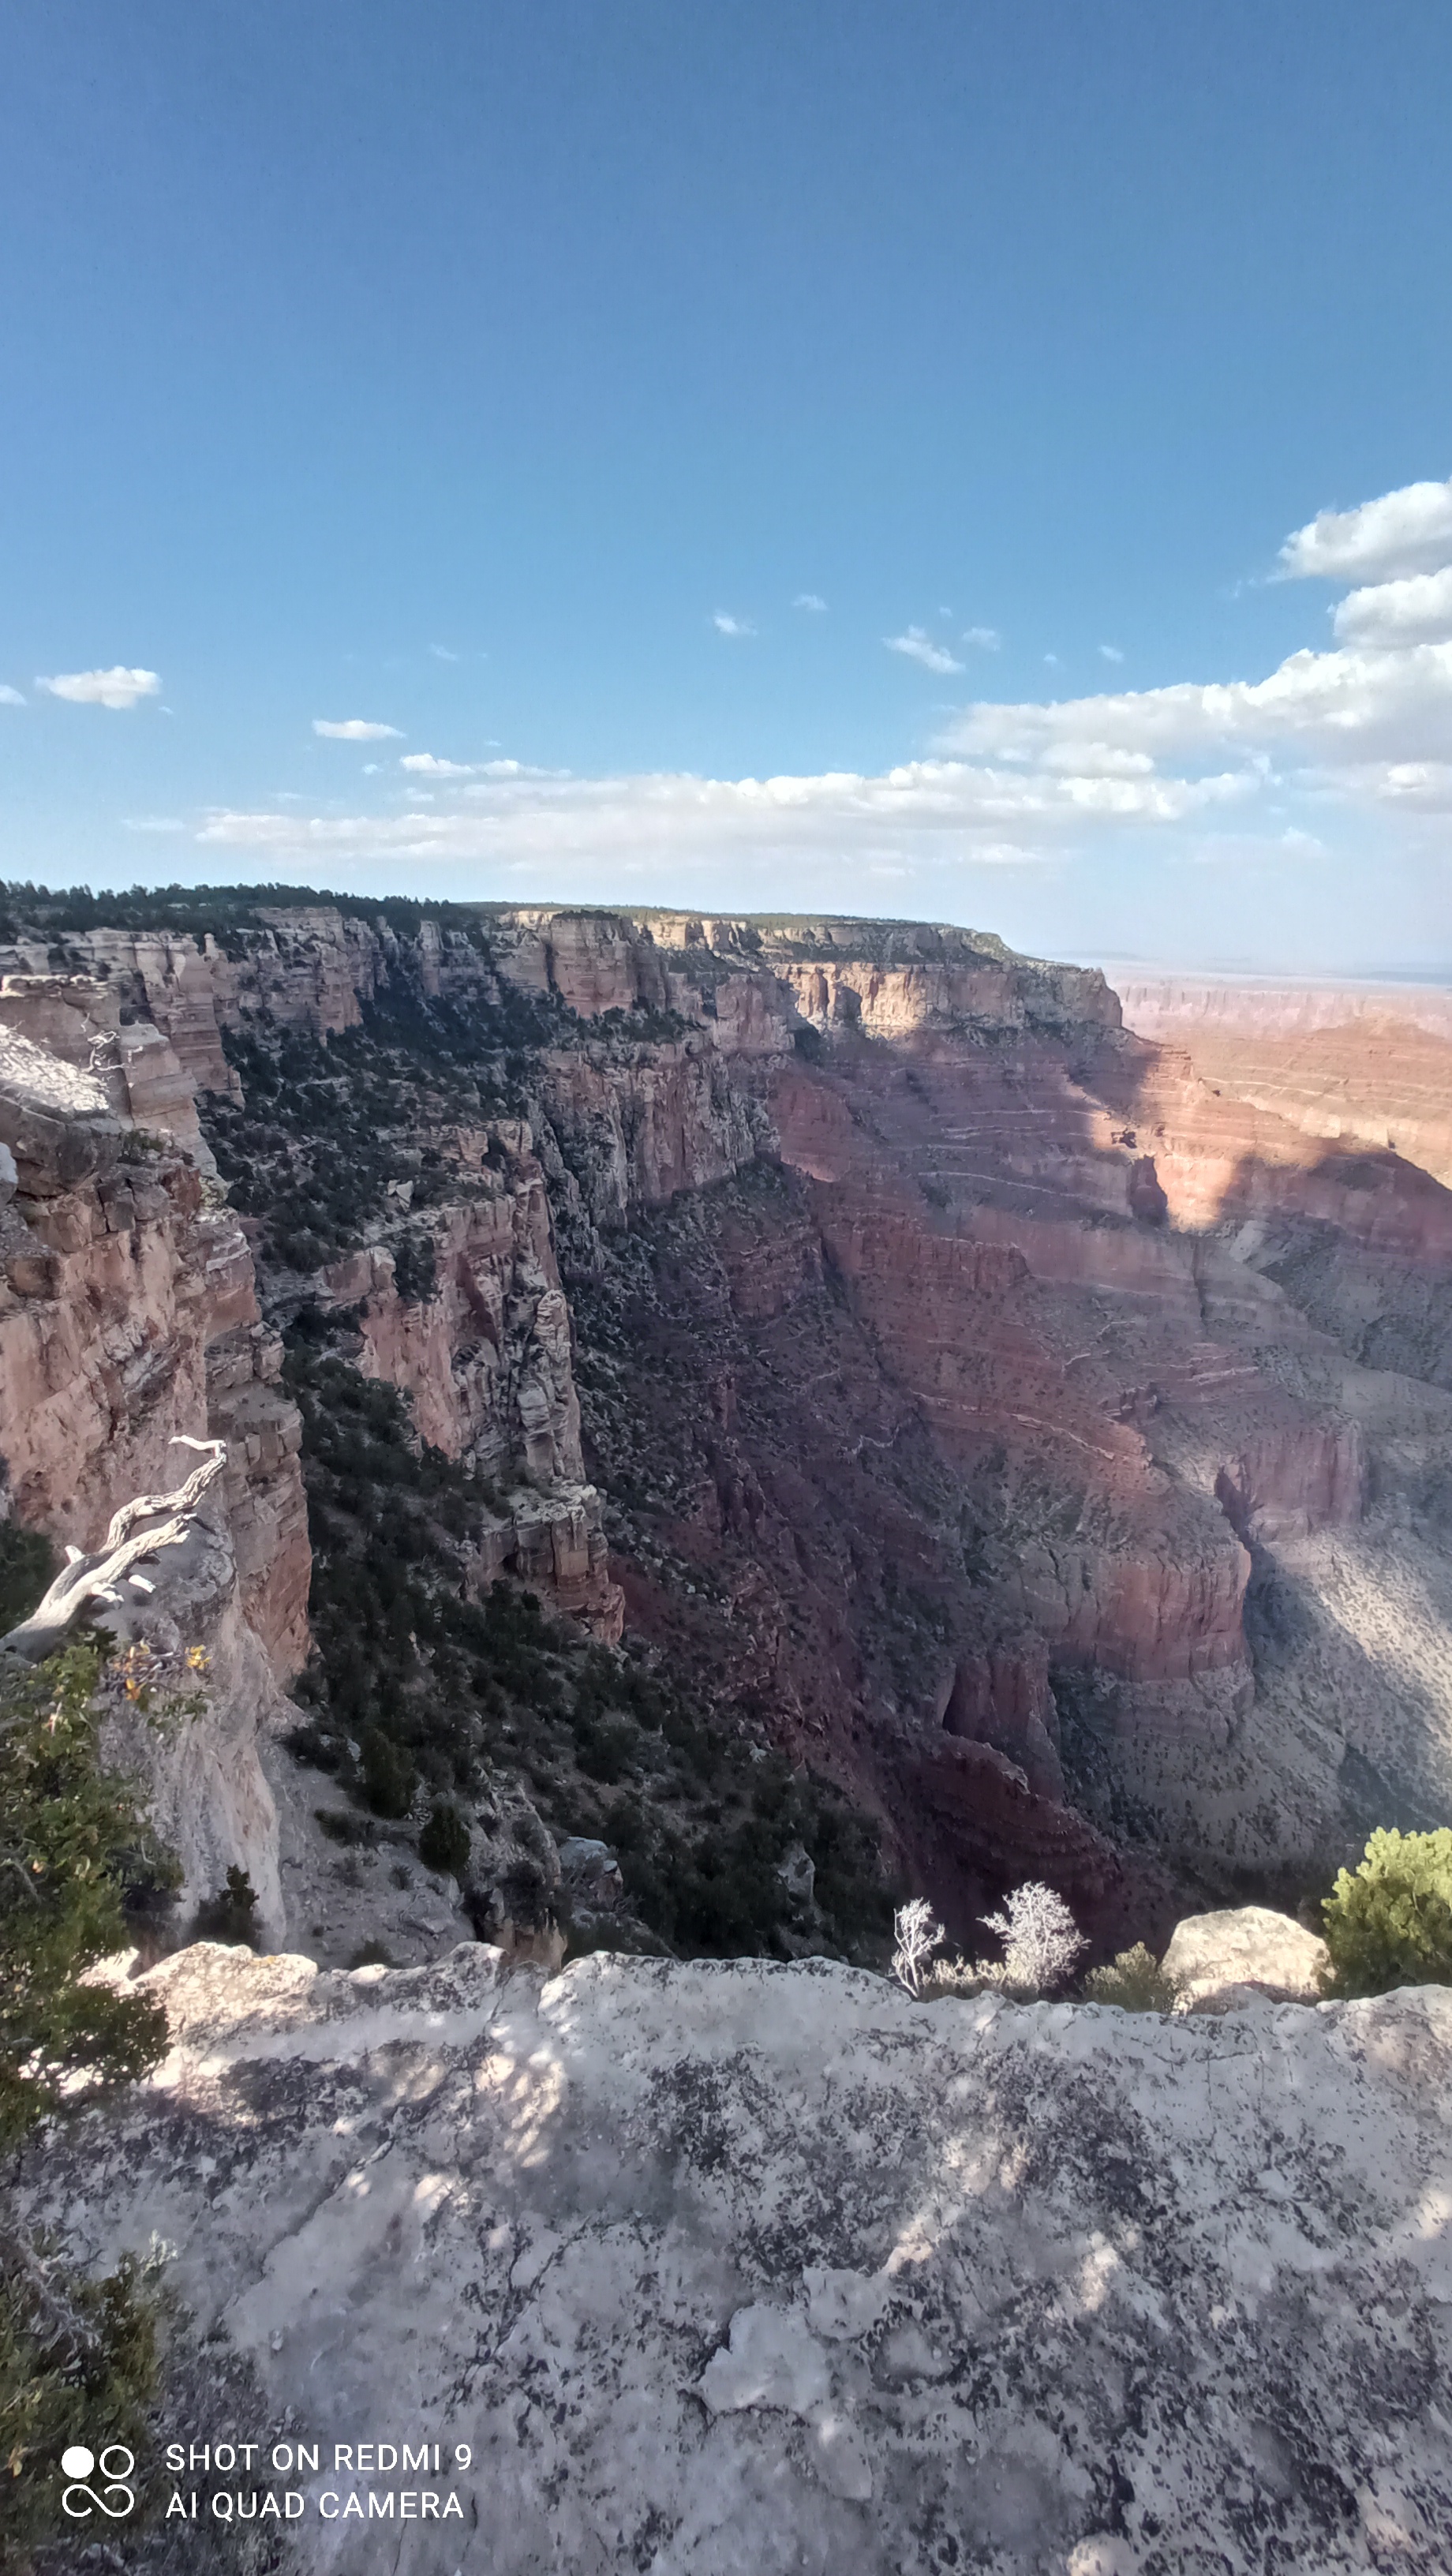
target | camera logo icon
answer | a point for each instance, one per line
(115, 2499)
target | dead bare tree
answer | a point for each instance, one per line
(99, 1577)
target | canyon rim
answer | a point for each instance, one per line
(728, 1422)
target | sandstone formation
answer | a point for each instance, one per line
(727, 2267)
(1367, 1061)
(945, 1382)
(128, 1315)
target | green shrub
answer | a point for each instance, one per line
(78, 2358)
(388, 1776)
(1133, 1982)
(27, 1565)
(415, 1269)
(1390, 1923)
(230, 1915)
(71, 1842)
(444, 1843)
(78, 2364)
(340, 1827)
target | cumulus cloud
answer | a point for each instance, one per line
(956, 810)
(1110, 653)
(1415, 610)
(918, 645)
(117, 687)
(1335, 708)
(987, 638)
(1407, 531)
(808, 599)
(725, 625)
(441, 653)
(1262, 774)
(355, 729)
(10, 697)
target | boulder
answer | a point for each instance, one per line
(1222, 1961)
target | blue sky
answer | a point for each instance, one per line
(509, 375)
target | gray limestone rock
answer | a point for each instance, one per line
(735, 2270)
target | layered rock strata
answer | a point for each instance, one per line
(1017, 1453)
(128, 1315)
(1054, 2292)
(1371, 1062)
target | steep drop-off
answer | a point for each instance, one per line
(929, 1380)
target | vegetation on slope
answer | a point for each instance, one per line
(78, 2357)
(421, 1694)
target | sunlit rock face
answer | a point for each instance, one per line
(128, 1315)
(1048, 1441)
(1369, 1063)
(727, 2268)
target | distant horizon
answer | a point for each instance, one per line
(982, 463)
(1433, 976)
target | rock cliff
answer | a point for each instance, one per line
(1050, 2292)
(128, 1314)
(941, 1384)
(1372, 1062)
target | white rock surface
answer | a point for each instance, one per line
(738, 2270)
(1221, 1961)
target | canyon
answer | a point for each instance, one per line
(961, 1398)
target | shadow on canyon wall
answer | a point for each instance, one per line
(1020, 1431)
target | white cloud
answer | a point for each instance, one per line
(1265, 776)
(355, 729)
(1415, 610)
(10, 697)
(513, 769)
(1406, 786)
(987, 638)
(1110, 653)
(918, 646)
(152, 823)
(725, 625)
(953, 811)
(441, 653)
(808, 599)
(1338, 708)
(114, 688)
(1406, 531)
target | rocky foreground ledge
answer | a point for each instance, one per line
(753, 2269)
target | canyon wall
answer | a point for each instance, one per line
(1367, 1061)
(973, 1394)
(128, 1323)
(128, 1315)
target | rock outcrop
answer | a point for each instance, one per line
(1051, 2292)
(1221, 1961)
(485, 1360)
(1371, 1062)
(128, 1316)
